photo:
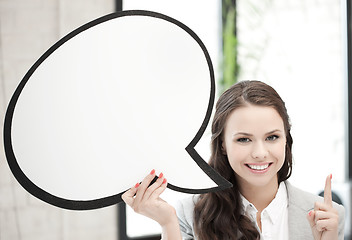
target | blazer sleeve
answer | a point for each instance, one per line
(341, 211)
(300, 203)
(184, 210)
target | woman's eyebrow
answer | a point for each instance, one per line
(248, 134)
(242, 133)
(273, 131)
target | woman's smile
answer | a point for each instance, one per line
(258, 168)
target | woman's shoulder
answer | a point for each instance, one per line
(297, 196)
(184, 210)
(184, 207)
(304, 199)
(301, 202)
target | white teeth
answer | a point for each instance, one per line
(258, 167)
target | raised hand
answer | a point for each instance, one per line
(145, 200)
(324, 219)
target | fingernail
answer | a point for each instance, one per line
(164, 180)
(137, 185)
(161, 175)
(152, 172)
(310, 213)
(330, 176)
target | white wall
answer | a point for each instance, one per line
(297, 47)
(27, 29)
(204, 18)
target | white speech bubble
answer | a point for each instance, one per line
(106, 104)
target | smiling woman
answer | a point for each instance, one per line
(250, 130)
(251, 148)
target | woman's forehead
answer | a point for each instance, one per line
(254, 118)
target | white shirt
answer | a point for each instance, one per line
(274, 218)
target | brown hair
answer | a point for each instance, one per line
(218, 215)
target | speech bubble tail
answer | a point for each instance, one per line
(226, 184)
(221, 182)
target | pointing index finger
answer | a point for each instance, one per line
(327, 191)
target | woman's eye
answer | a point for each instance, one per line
(272, 138)
(243, 140)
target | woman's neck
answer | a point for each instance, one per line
(259, 196)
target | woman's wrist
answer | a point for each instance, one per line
(171, 229)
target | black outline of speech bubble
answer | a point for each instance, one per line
(107, 201)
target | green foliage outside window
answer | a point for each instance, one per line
(230, 67)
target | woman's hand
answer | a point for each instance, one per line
(324, 219)
(146, 201)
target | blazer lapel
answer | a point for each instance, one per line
(298, 208)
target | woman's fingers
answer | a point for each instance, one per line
(323, 207)
(319, 215)
(128, 196)
(326, 224)
(311, 218)
(145, 199)
(155, 188)
(327, 191)
(160, 189)
(324, 219)
(143, 187)
(139, 193)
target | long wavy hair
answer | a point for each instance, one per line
(219, 215)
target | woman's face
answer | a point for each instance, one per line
(254, 141)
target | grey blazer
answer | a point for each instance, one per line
(299, 204)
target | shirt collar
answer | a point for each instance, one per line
(247, 206)
(275, 207)
(278, 204)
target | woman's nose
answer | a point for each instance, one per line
(259, 151)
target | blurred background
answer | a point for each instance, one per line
(301, 48)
